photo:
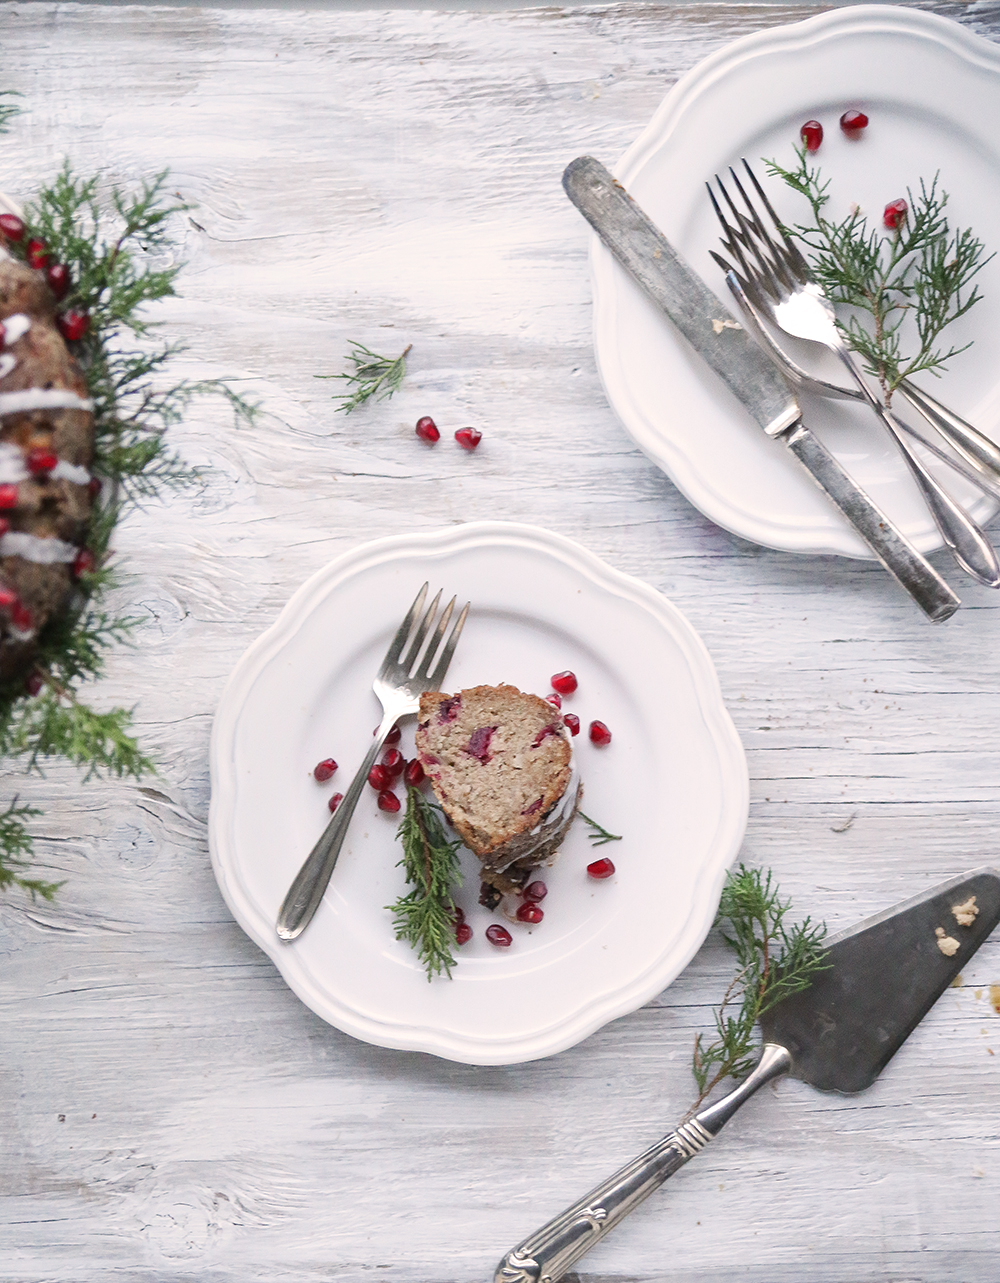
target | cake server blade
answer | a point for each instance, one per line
(885, 974)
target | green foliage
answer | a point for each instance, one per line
(597, 835)
(373, 375)
(8, 109)
(904, 286)
(15, 844)
(775, 960)
(424, 917)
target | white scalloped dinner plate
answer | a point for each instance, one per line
(931, 91)
(673, 782)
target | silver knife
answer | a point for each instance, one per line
(648, 256)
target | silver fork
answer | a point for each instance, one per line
(398, 685)
(777, 280)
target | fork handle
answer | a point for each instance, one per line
(311, 881)
(968, 441)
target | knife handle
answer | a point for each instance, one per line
(910, 570)
(547, 1254)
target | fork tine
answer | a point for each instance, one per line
(763, 273)
(421, 632)
(778, 273)
(732, 241)
(437, 677)
(435, 642)
(798, 262)
(399, 641)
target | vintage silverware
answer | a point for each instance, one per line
(885, 974)
(398, 685)
(776, 277)
(644, 251)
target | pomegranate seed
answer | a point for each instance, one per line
(37, 256)
(811, 134)
(378, 777)
(536, 891)
(12, 227)
(84, 563)
(463, 933)
(894, 214)
(34, 682)
(413, 774)
(94, 487)
(468, 438)
(392, 737)
(499, 935)
(73, 325)
(853, 122)
(58, 278)
(565, 683)
(8, 497)
(335, 801)
(427, 430)
(601, 869)
(388, 801)
(325, 769)
(8, 598)
(457, 914)
(554, 699)
(529, 912)
(41, 462)
(393, 761)
(572, 722)
(599, 734)
(22, 618)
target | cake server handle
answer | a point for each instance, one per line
(547, 1254)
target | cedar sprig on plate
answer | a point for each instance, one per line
(425, 916)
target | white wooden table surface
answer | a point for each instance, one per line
(168, 1109)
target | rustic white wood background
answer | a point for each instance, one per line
(168, 1109)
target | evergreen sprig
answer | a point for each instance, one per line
(372, 376)
(775, 960)
(904, 286)
(598, 836)
(425, 916)
(117, 248)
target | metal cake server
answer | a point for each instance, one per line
(885, 974)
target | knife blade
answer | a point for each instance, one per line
(648, 256)
(884, 975)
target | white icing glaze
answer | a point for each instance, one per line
(42, 399)
(16, 327)
(12, 465)
(70, 472)
(45, 552)
(7, 363)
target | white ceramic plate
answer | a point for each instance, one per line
(931, 91)
(673, 782)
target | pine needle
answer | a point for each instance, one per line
(425, 916)
(598, 836)
(372, 376)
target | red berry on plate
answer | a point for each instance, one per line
(378, 777)
(34, 682)
(529, 912)
(94, 487)
(894, 214)
(22, 618)
(468, 438)
(536, 891)
(8, 497)
(335, 801)
(811, 134)
(565, 683)
(572, 723)
(600, 869)
(41, 462)
(59, 279)
(393, 761)
(463, 933)
(73, 325)
(427, 430)
(84, 563)
(8, 597)
(388, 801)
(414, 773)
(599, 734)
(392, 737)
(325, 769)
(853, 123)
(554, 699)
(12, 227)
(37, 253)
(457, 914)
(499, 935)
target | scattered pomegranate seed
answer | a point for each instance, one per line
(335, 801)
(894, 214)
(37, 255)
(427, 430)
(94, 487)
(22, 618)
(12, 227)
(811, 134)
(392, 737)
(600, 869)
(499, 935)
(599, 734)
(394, 762)
(41, 462)
(572, 722)
(468, 438)
(84, 563)
(8, 497)
(8, 598)
(554, 699)
(59, 279)
(853, 122)
(388, 801)
(457, 914)
(529, 912)
(413, 774)
(565, 683)
(73, 325)
(34, 682)
(536, 890)
(325, 769)
(378, 777)
(463, 933)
